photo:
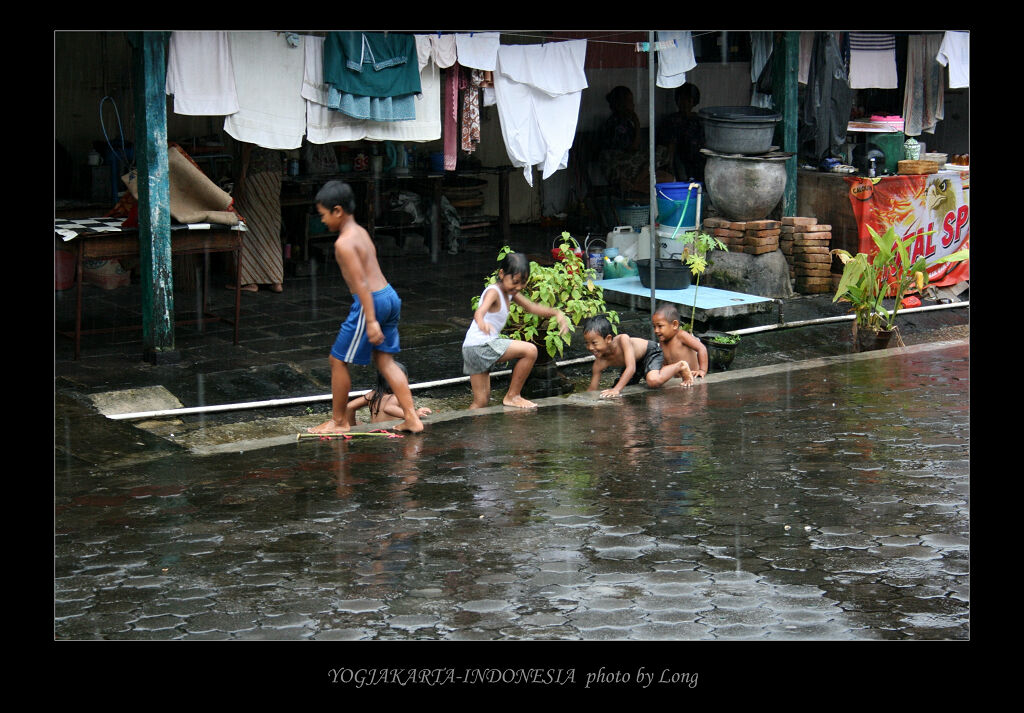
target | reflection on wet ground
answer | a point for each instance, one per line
(819, 504)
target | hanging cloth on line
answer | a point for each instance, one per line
(324, 126)
(200, 74)
(955, 52)
(675, 58)
(372, 75)
(272, 112)
(872, 60)
(538, 90)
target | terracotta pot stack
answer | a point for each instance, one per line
(806, 245)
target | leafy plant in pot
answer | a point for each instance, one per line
(868, 279)
(568, 285)
(721, 348)
(696, 249)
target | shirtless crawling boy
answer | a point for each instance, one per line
(371, 330)
(637, 358)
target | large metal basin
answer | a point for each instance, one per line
(745, 187)
(739, 129)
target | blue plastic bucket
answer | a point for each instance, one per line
(673, 204)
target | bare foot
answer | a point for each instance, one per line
(277, 287)
(518, 402)
(685, 374)
(329, 426)
(410, 426)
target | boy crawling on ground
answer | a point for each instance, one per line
(677, 344)
(638, 358)
(371, 330)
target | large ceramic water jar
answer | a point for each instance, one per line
(745, 187)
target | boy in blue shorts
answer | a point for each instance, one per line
(371, 330)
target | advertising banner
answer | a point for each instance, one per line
(934, 207)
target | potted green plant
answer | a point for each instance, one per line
(696, 249)
(721, 348)
(868, 279)
(568, 285)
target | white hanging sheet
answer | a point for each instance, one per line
(538, 90)
(268, 79)
(200, 74)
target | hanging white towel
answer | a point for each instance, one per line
(478, 50)
(538, 90)
(872, 60)
(444, 50)
(313, 87)
(324, 126)
(674, 62)
(268, 79)
(200, 75)
(955, 53)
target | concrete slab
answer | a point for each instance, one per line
(710, 301)
(147, 398)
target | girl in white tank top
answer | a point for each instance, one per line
(484, 346)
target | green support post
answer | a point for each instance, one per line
(785, 70)
(149, 59)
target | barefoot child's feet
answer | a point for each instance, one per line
(518, 402)
(329, 426)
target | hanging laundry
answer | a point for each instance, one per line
(675, 59)
(478, 50)
(314, 88)
(955, 53)
(826, 109)
(325, 125)
(372, 75)
(538, 89)
(471, 110)
(872, 60)
(200, 74)
(444, 50)
(272, 112)
(923, 98)
(761, 53)
(806, 45)
(451, 117)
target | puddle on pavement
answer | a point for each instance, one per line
(820, 504)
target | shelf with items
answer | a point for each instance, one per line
(375, 216)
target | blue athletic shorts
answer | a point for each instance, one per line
(352, 345)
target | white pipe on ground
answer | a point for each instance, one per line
(462, 379)
(301, 399)
(839, 318)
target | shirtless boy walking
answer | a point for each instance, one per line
(371, 330)
(638, 358)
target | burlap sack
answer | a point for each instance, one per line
(194, 197)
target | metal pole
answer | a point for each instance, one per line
(651, 167)
(149, 50)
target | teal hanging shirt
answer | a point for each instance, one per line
(372, 64)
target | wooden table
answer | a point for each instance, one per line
(104, 239)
